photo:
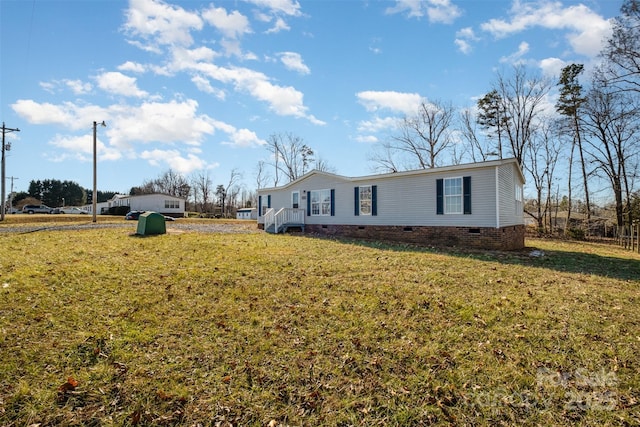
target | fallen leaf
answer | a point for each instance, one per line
(135, 418)
(70, 385)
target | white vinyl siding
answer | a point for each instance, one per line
(511, 210)
(161, 203)
(406, 198)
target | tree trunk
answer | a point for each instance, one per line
(566, 225)
(584, 172)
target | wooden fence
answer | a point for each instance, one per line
(629, 236)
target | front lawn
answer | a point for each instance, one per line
(100, 327)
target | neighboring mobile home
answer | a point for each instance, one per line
(472, 205)
(247, 213)
(157, 202)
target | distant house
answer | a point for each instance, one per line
(476, 205)
(157, 202)
(101, 208)
(247, 213)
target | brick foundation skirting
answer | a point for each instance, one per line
(504, 238)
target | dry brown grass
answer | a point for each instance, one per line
(100, 327)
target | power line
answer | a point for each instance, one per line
(5, 147)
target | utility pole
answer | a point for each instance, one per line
(5, 147)
(12, 178)
(94, 195)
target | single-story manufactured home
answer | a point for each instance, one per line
(247, 213)
(477, 205)
(158, 202)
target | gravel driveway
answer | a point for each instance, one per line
(249, 227)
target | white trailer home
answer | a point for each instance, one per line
(472, 205)
(158, 202)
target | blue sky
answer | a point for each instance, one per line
(199, 86)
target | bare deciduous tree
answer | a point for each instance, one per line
(421, 140)
(261, 175)
(622, 52)
(542, 156)
(522, 96)
(232, 189)
(202, 187)
(612, 119)
(291, 157)
(469, 132)
(169, 182)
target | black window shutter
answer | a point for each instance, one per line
(308, 203)
(259, 205)
(356, 198)
(269, 201)
(439, 197)
(466, 192)
(333, 202)
(374, 200)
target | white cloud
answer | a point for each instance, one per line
(132, 66)
(442, 11)
(117, 83)
(167, 24)
(48, 86)
(145, 47)
(367, 139)
(373, 46)
(280, 7)
(406, 103)
(205, 86)
(377, 124)
(463, 40)
(66, 114)
(244, 138)
(283, 100)
(467, 33)
(276, 9)
(232, 25)
(552, 67)
(587, 31)
(78, 87)
(169, 122)
(463, 46)
(293, 61)
(278, 26)
(81, 148)
(173, 123)
(162, 24)
(184, 59)
(516, 57)
(175, 160)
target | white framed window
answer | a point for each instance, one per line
(321, 203)
(518, 192)
(172, 204)
(452, 195)
(295, 199)
(519, 205)
(366, 199)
